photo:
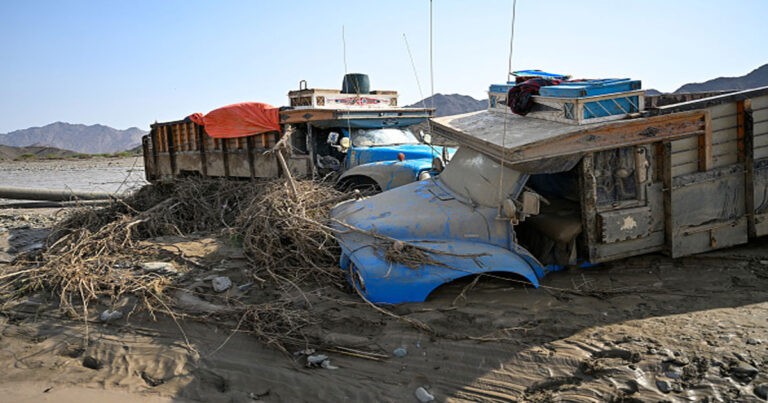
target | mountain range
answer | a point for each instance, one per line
(99, 139)
(93, 139)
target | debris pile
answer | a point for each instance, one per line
(99, 256)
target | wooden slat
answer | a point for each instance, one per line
(624, 133)
(760, 128)
(740, 131)
(759, 103)
(684, 169)
(705, 144)
(684, 145)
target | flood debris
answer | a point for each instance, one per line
(98, 256)
(423, 395)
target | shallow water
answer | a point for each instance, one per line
(114, 175)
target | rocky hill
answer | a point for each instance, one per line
(451, 104)
(756, 78)
(94, 139)
(12, 153)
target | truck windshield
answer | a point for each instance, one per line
(382, 137)
(476, 176)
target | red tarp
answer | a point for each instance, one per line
(239, 120)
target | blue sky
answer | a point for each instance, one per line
(129, 63)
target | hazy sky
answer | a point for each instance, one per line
(129, 63)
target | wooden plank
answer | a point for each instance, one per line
(711, 101)
(740, 131)
(760, 153)
(705, 144)
(587, 182)
(724, 160)
(687, 157)
(201, 147)
(725, 110)
(684, 145)
(666, 177)
(760, 128)
(749, 175)
(624, 133)
(685, 169)
(759, 103)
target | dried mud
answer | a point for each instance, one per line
(643, 329)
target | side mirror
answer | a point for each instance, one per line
(531, 203)
(344, 143)
(333, 138)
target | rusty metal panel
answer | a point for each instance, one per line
(624, 224)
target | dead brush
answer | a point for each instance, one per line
(287, 236)
(94, 254)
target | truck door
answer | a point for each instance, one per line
(622, 204)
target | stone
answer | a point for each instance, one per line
(400, 352)
(221, 283)
(316, 360)
(744, 371)
(663, 386)
(92, 363)
(753, 342)
(110, 316)
(159, 267)
(423, 395)
(761, 391)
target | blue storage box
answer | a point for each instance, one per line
(589, 88)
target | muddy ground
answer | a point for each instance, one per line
(643, 329)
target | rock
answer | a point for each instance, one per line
(327, 365)
(221, 283)
(754, 342)
(663, 386)
(92, 363)
(316, 360)
(159, 267)
(110, 316)
(744, 371)
(761, 391)
(674, 373)
(679, 361)
(423, 395)
(400, 352)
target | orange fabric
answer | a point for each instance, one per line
(239, 120)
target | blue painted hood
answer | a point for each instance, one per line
(467, 240)
(366, 155)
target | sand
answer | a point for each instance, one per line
(643, 329)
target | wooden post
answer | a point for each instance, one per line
(749, 162)
(705, 144)
(287, 172)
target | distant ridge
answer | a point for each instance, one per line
(451, 104)
(756, 78)
(11, 153)
(93, 139)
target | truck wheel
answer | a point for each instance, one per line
(366, 186)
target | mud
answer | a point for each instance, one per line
(648, 328)
(643, 329)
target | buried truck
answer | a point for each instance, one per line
(528, 195)
(360, 136)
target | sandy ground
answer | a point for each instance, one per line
(643, 329)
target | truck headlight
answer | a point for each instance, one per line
(424, 175)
